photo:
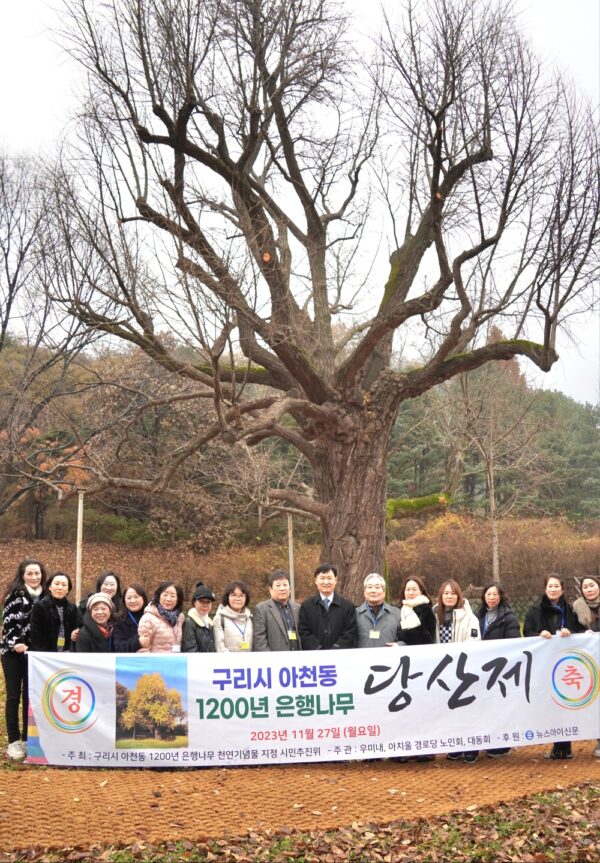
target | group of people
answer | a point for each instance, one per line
(39, 616)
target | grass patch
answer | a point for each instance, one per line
(151, 743)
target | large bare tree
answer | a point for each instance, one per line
(40, 345)
(237, 162)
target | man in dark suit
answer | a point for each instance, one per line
(327, 620)
(275, 621)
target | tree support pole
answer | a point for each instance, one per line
(78, 554)
(290, 527)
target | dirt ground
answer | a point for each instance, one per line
(57, 807)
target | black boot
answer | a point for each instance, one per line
(566, 751)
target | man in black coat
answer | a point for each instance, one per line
(327, 620)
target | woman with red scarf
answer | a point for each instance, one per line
(96, 634)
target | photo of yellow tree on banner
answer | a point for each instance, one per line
(151, 706)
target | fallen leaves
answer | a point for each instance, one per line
(560, 826)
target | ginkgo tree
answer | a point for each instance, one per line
(250, 174)
(152, 706)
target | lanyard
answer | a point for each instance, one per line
(241, 631)
(560, 609)
(374, 620)
(289, 620)
(133, 618)
(486, 625)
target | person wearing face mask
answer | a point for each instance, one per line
(53, 617)
(587, 609)
(233, 620)
(125, 634)
(96, 633)
(161, 627)
(552, 616)
(24, 590)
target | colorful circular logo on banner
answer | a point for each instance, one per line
(575, 680)
(69, 702)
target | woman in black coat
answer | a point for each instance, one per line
(198, 635)
(552, 615)
(54, 618)
(497, 620)
(417, 624)
(496, 617)
(126, 624)
(96, 633)
(417, 620)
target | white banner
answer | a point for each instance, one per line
(189, 710)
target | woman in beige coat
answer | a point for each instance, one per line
(161, 627)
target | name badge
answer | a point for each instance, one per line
(175, 648)
(60, 642)
(292, 635)
(245, 645)
(374, 633)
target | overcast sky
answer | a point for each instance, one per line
(38, 95)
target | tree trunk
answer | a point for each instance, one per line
(39, 520)
(351, 479)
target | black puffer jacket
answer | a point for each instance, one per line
(543, 616)
(505, 625)
(91, 639)
(45, 623)
(197, 637)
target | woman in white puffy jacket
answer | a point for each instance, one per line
(455, 618)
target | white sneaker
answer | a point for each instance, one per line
(15, 751)
(23, 744)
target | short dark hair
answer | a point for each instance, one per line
(231, 587)
(325, 567)
(277, 575)
(64, 575)
(162, 587)
(18, 583)
(501, 593)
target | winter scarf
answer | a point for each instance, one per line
(170, 616)
(587, 612)
(408, 617)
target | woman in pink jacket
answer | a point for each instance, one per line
(161, 626)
